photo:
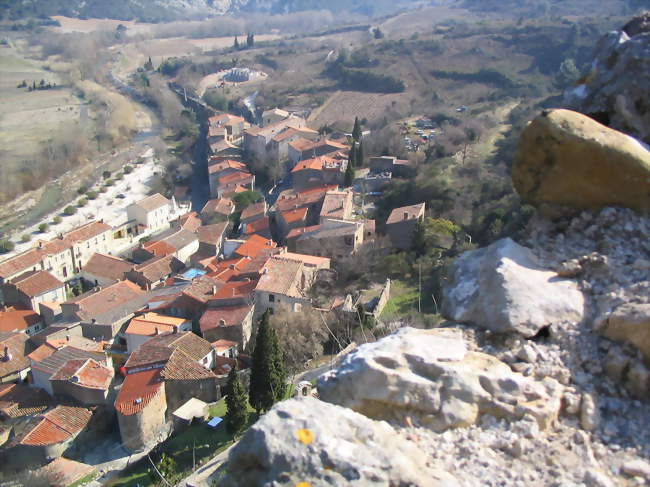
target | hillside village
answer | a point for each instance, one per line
(136, 326)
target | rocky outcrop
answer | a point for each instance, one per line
(629, 323)
(429, 376)
(303, 442)
(567, 159)
(503, 288)
(617, 90)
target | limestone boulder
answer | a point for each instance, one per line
(310, 442)
(629, 323)
(617, 89)
(567, 159)
(504, 288)
(431, 377)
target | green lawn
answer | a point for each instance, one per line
(207, 442)
(403, 299)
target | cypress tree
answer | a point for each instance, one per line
(358, 162)
(236, 402)
(349, 174)
(356, 131)
(236, 44)
(268, 375)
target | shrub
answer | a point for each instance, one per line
(119, 176)
(109, 182)
(106, 174)
(6, 246)
(57, 219)
(102, 189)
(128, 169)
(91, 195)
(82, 189)
(43, 227)
(82, 202)
(216, 101)
(25, 237)
(69, 210)
(120, 196)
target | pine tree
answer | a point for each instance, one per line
(236, 44)
(236, 402)
(356, 131)
(250, 40)
(268, 375)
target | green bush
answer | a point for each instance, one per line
(216, 100)
(91, 195)
(109, 182)
(43, 227)
(57, 219)
(82, 189)
(106, 174)
(82, 202)
(26, 237)
(6, 246)
(119, 176)
(128, 169)
(69, 210)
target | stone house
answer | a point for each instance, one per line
(290, 219)
(282, 283)
(277, 149)
(233, 126)
(20, 320)
(222, 169)
(46, 361)
(318, 171)
(85, 380)
(142, 328)
(261, 227)
(154, 272)
(47, 436)
(104, 270)
(257, 139)
(273, 115)
(14, 363)
(337, 205)
(401, 224)
(211, 239)
(141, 407)
(234, 183)
(304, 148)
(103, 311)
(253, 212)
(233, 323)
(152, 213)
(335, 239)
(178, 242)
(217, 209)
(32, 288)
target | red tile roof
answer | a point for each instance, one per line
(35, 283)
(159, 248)
(227, 164)
(13, 319)
(292, 216)
(109, 298)
(190, 221)
(138, 389)
(235, 177)
(212, 234)
(258, 226)
(85, 373)
(405, 213)
(226, 316)
(18, 400)
(296, 232)
(254, 245)
(235, 289)
(254, 210)
(56, 426)
(222, 206)
(107, 266)
(181, 366)
(16, 344)
(21, 262)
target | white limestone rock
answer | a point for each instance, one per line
(504, 288)
(430, 376)
(310, 442)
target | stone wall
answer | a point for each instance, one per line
(147, 427)
(180, 391)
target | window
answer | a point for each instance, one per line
(271, 298)
(349, 241)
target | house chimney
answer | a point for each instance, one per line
(406, 215)
(214, 289)
(67, 338)
(157, 332)
(7, 354)
(222, 322)
(40, 244)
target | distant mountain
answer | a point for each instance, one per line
(164, 10)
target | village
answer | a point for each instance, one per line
(133, 322)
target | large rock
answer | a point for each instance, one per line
(504, 288)
(630, 323)
(617, 90)
(567, 159)
(309, 442)
(430, 376)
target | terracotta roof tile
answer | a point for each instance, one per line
(85, 373)
(254, 245)
(181, 366)
(16, 345)
(152, 202)
(235, 289)
(58, 425)
(21, 262)
(254, 210)
(221, 206)
(202, 288)
(281, 276)
(18, 400)
(159, 267)
(405, 213)
(137, 390)
(62, 472)
(212, 234)
(297, 215)
(115, 296)
(13, 319)
(35, 283)
(224, 316)
(258, 226)
(107, 266)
